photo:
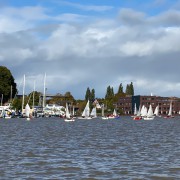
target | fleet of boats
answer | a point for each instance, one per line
(54, 110)
(148, 114)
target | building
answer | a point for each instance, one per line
(127, 104)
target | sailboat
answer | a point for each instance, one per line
(144, 111)
(68, 116)
(86, 112)
(93, 113)
(170, 112)
(27, 112)
(150, 114)
(156, 111)
(114, 115)
(138, 115)
(103, 117)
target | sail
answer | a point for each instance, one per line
(27, 110)
(170, 109)
(156, 111)
(73, 111)
(86, 110)
(102, 106)
(135, 109)
(143, 111)
(139, 111)
(67, 111)
(114, 113)
(93, 112)
(150, 111)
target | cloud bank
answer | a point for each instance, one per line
(77, 51)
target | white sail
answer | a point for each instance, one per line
(150, 111)
(73, 111)
(27, 110)
(150, 114)
(143, 111)
(156, 111)
(102, 107)
(170, 109)
(114, 113)
(67, 112)
(93, 112)
(86, 110)
(139, 111)
(135, 109)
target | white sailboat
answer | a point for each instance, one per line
(138, 115)
(114, 115)
(156, 111)
(135, 110)
(86, 112)
(68, 116)
(150, 114)
(93, 113)
(27, 112)
(144, 111)
(103, 117)
(170, 112)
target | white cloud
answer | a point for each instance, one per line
(80, 54)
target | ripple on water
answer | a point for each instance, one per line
(49, 148)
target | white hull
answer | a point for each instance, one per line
(7, 117)
(148, 118)
(111, 117)
(105, 118)
(69, 120)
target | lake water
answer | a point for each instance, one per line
(49, 148)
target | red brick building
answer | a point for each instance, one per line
(127, 104)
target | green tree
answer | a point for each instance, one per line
(120, 90)
(7, 84)
(112, 92)
(127, 89)
(88, 94)
(130, 89)
(109, 93)
(92, 98)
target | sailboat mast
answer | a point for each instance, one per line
(44, 94)
(33, 95)
(23, 94)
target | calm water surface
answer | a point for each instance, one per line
(49, 148)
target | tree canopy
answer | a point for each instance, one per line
(8, 87)
(130, 89)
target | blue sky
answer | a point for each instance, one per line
(96, 43)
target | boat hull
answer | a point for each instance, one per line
(137, 118)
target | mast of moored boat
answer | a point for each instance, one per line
(23, 94)
(44, 93)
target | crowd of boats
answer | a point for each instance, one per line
(52, 110)
(149, 114)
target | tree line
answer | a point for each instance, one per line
(9, 93)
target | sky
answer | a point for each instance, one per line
(92, 43)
